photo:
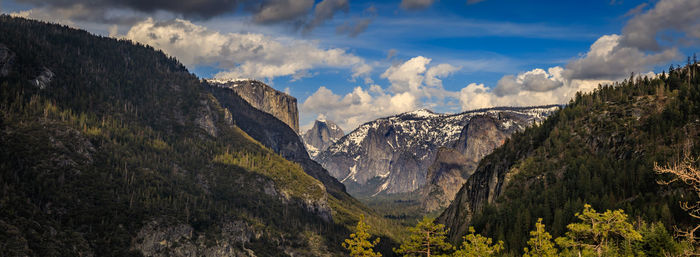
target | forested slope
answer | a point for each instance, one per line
(600, 149)
(111, 148)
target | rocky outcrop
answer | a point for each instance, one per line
(274, 134)
(392, 155)
(43, 79)
(158, 238)
(322, 135)
(263, 97)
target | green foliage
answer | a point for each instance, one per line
(605, 234)
(116, 140)
(598, 149)
(477, 246)
(540, 242)
(657, 241)
(427, 238)
(358, 244)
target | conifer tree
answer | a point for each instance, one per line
(426, 239)
(475, 245)
(540, 243)
(358, 244)
(599, 234)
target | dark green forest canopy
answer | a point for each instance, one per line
(121, 136)
(599, 149)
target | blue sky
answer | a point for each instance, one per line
(488, 53)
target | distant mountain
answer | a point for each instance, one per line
(323, 134)
(600, 149)
(265, 98)
(393, 154)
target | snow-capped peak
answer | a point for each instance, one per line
(421, 113)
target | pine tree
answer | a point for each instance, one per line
(358, 244)
(426, 239)
(599, 233)
(475, 245)
(540, 242)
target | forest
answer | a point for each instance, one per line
(113, 148)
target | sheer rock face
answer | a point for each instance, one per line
(453, 166)
(273, 134)
(322, 135)
(393, 154)
(265, 98)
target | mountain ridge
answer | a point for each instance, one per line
(404, 143)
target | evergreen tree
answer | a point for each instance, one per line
(358, 244)
(540, 242)
(475, 245)
(600, 234)
(426, 239)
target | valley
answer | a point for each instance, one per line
(319, 128)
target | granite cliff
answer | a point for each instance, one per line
(393, 154)
(322, 135)
(265, 98)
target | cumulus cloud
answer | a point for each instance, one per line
(537, 80)
(433, 75)
(414, 84)
(242, 55)
(416, 4)
(609, 59)
(681, 16)
(358, 106)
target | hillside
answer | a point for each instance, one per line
(599, 149)
(112, 148)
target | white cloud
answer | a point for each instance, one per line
(414, 84)
(242, 55)
(358, 106)
(407, 76)
(476, 96)
(609, 59)
(537, 80)
(440, 71)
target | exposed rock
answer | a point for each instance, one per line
(42, 81)
(453, 166)
(205, 119)
(274, 134)
(392, 155)
(322, 135)
(265, 98)
(445, 176)
(158, 238)
(7, 59)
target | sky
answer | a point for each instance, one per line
(354, 61)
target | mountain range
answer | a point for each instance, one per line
(393, 154)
